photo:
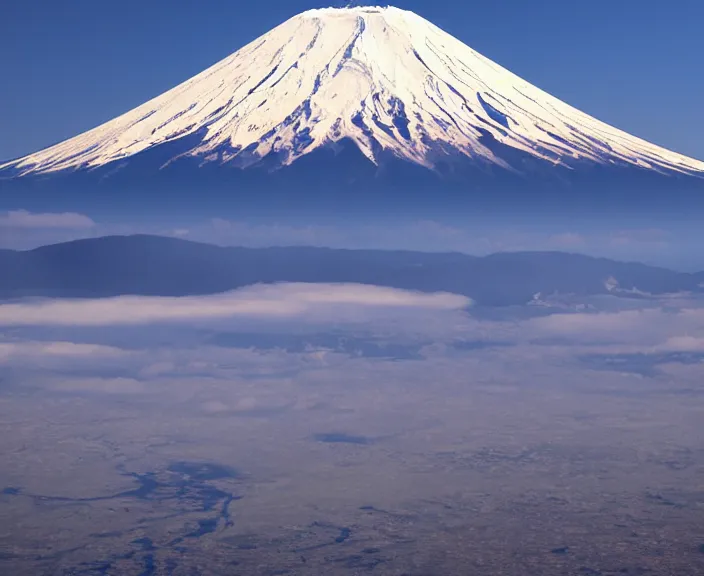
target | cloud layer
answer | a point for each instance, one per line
(318, 301)
(24, 219)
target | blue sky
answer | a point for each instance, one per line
(69, 66)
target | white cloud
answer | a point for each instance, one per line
(56, 349)
(650, 329)
(681, 344)
(320, 301)
(42, 352)
(25, 219)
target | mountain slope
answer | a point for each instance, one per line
(151, 265)
(384, 79)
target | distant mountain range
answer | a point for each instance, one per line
(160, 266)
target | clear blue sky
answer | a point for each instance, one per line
(70, 65)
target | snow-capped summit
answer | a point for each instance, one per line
(383, 78)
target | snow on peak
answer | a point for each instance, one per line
(383, 77)
(347, 10)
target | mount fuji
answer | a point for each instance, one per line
(355, 108)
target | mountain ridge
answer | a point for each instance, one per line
(163, 266)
